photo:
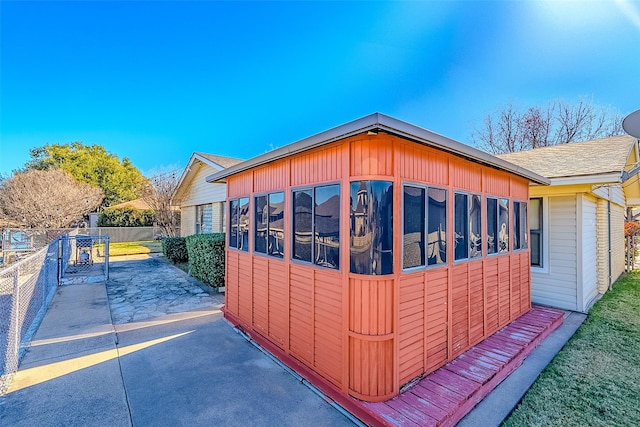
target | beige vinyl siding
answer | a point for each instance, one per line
(588, 283)
(218, 217)
(613, 192)
(603, 246)
(617, 241)
(556, 286)
(201, 192)
(187, 220)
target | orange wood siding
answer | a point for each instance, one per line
(460, 309)
(369, 335)
(371, 358)
(465, 175)
(232, 282)
(496, 183)
(277, 297)
(323, 165)
(327, 325)
(371, 155)
(301, 313)
(271, 177)
(437, 332)
(412, 326)
(423, 164)
(491, 286)
(240, 185)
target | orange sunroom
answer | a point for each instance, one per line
(373, 253)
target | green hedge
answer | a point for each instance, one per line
(125, 217)
(206, 257)
(175, 249)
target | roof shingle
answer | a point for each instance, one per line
(594, 157)
(225, 162)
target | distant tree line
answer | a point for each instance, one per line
(511, 128)
(62, 183)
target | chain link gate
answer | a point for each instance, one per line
(84, 259)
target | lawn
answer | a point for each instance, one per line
(595, 379)
(133, 248)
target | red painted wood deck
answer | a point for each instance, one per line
(445, 396)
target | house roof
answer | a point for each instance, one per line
(373, 123)
(139, 204)
(225, 162)
(589, 158)
(217, 163)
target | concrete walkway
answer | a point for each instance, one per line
(161, 354)
(179, 364)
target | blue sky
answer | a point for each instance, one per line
(155, 82)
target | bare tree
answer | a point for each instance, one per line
(157, 193)
(47, 199)
(509, 129)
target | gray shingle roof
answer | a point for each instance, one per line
(225, 162)
(595, 157)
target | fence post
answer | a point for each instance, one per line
(106, 257)
(16, 299)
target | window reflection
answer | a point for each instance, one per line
(535, 221)
(503, 225)
(243, 224)
(475, 226)
(302, 222)
(371, 246)
(275, 243)
(233, 223)
(262, 224)
(492, 225)
(326, 221)
(461, 226)
(520, 235)
(437, 227)
(413, 252)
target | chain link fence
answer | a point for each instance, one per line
(26, 289)
(19, 243)
(84, 259)
(28, 285)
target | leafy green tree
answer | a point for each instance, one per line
(119, 179)
(125, 217)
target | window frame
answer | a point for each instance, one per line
(425, 231)
(267, 196)
(540, 232)
(497, 200)
(469, 203)
(517, 222)
(383, 236)
(312, 189)
(239, 246)
(197, 227)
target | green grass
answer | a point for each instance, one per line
(132, 248)
(595, 379)
(184, 266)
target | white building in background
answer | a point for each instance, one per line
(577, 223)
(202, 205)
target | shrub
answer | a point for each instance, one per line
(206, 258)
(125, 217)
(175, 249)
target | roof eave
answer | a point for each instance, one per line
(176, 198)
(378, 121)
(604, 178)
